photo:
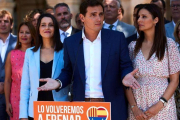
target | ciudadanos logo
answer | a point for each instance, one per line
(97, 113)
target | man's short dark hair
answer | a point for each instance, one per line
(61, 5)
(163, 3)
(89, 3)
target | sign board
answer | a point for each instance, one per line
(72, 110)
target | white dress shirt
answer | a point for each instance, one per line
(106, 25)
(92, 58)
(68, 33)
(3, 47)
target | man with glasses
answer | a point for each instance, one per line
(175, 12)
(162, 5)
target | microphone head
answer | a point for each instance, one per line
(70, 97)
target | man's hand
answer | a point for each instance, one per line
(1, 87)
(130, 81)
(50, 85)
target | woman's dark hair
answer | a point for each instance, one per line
(57, 44)
(89, 3)
(160, 40)
(32, 32)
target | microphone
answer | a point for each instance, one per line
(70, 94)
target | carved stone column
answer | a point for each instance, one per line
(73, 4)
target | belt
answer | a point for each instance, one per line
(94, 99)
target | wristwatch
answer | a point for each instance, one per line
(132, 106)
(59, 81)
(164, 101)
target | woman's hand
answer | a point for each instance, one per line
(153, 110)
(138, 114)
(9, 109)
(50, 85)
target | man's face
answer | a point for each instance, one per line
(175, 9)
(5, 25)
(79, 23)
(63, 16)
(93, 20)
(111, 10)
(160, 5)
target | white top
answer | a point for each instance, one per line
(3, 47)
(92, 58)
(68, 33)
(106, 25)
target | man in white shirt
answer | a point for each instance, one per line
(111, 11)
(98, 60)
(7, 43)
(63, 16)
(175, 12)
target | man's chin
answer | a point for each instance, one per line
(64, 25)
(5, 32)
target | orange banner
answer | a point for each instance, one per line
(72, 110)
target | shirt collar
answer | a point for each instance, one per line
(107, 25)
(97, 38)
(7, 39)
(67, 31)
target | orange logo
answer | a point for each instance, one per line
(97, 113)
(72, 110)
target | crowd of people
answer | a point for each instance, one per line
(135, 67)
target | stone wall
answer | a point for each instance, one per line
(19, 8)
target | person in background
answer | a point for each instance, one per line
(49, 10)
(13, 68)
(121, 13)
(177, 33)
(44, 60)
(177, 93)
(7, 43)
(175, 10)
(157, 58)
(111, 11)
(162, 5)
(33, 16)
(78, 21)
(63, 16)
